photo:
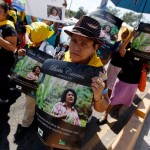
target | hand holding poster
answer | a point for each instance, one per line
(141, 43)
(52, 10)
(64, 99)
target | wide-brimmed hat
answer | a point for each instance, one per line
(87, 27)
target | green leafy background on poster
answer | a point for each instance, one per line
(50, 91)
(25, 65)
(141, 41)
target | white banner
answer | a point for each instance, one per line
(52, 10)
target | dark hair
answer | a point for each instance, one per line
(11, 18)
(21, 29)
(104, 27)
(51, 11)
(63, 97)
(4, 6)
(34, 68)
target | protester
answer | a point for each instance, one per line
(8, 42)
(22, 36)
(37, 32)
(126, 84)
(53, 26)
(65, 108)
(84, 43)
(115, 62)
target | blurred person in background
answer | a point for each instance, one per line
(8, 42)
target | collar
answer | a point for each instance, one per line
(7, 22)
(64, 104)
(94, 61)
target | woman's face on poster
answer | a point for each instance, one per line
(107, 28)
(70, 97)
(54, 12)
(37, 70)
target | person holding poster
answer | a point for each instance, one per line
(8, 42)
(127, 81)
(85, 40)
(38, 32)
(65, 108)
(61, 118)
(114, 65)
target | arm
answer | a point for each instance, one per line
(9, 43)
(100, 104)
(55, 27)
(122, 50)
(34, 19)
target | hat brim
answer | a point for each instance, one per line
(99, 40)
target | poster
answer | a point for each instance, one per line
(140, 46)
(64, 99)
(52, 10)
(27, 70)
(110, 26)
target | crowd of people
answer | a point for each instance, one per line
(116, 86)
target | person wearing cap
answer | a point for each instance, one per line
(37, 33)
(85, 40)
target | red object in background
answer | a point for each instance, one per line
(142, 83)
(23, 41)
(8, 1)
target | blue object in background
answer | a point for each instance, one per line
(18, 4)
(139, 6)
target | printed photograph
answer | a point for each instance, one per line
(109, 31)
(62, 99)
(54, 13)
(141, 42)
(28, 68)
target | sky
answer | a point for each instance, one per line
(91, 5)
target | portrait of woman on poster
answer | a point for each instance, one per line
(54, 13)
(34, 75)
(65, 108)
(105, 32)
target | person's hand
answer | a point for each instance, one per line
(21, 52)
(65, 3)
(60, 55)
(134, 33)
(97, 87)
